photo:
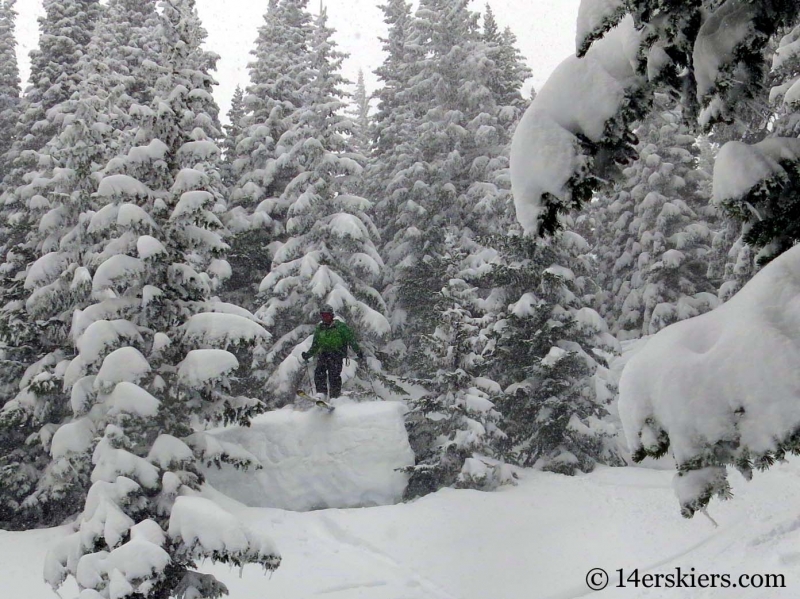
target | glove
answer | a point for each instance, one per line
(305, 356)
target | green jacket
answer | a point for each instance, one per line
(333, 339)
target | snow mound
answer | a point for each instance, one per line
(121, 185)
(317, 460)
(721, 386)
(116, 270)
(123, 364)
(46, 269)
(201, 366)
(221, 330)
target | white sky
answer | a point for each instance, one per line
(545, 28)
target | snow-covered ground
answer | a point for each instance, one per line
(537, 540)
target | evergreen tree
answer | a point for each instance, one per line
(9, 80)
(679, 51)
(489, 198)
(9, 114)
(451, 142)
(262, 166)
(65, 31)
(157, 357)
(765, 203)
(731, 261)
(130, 51)
(491, 30)
(510, 71)
(233, 135)
(740, 265)
(392, 143)
(360, 116)
(392, 128)
(679, 55)
(43, 284)
(454, 428)
(329, 255)
(655, 235)
(550, 355)
(55, 286)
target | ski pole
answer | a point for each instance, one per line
(308, 373)
(370, 378)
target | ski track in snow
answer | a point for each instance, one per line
(350, 587)
(364, 548)
(537, 541)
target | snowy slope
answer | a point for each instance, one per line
(314, 459)
(537, 541)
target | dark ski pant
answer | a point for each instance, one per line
(329, 370)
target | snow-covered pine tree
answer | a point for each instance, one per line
(785, 94)
(764, 198)
(550, 354)
(672, 49)
(233, 135)
(391, 129)
(130, 48)
(56, 285)
(734, 260)
(10, 370)
(65, 31)
(677, 46)
(9, 80)
(329, 255)
(262, 166)
(392, 132)
(44, 284)
(510, 71)
(455, 129)
(359, 114)
(654, 242)
(491, 29)
(454, 428)
(489, 200)
(156, 353)
(740, 260)
(91, 126)
(731, 262)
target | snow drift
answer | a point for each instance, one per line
(721, 388)
(317, 460)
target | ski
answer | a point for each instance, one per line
(319, 402)
(324, 404)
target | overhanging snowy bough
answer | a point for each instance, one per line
(709, 55)
(721, 389)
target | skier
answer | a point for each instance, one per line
(331, 340)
